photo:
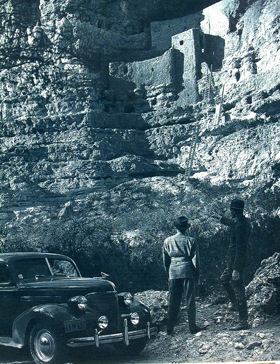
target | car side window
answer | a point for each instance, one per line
(30, 268)
(63, 268)
(5, 276)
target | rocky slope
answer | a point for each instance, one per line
(263, 297)
(218, 343)
(100, 105)
(215, 345)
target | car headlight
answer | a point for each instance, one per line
(134, 318)
(102, 322)
(79, 301)
(128, 299)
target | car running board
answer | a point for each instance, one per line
(8, 341)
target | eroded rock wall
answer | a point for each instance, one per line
(100, 103)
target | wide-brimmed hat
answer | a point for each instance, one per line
(182, 223)
(237, 204)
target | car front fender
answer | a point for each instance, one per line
(51, 312)
(142, 310)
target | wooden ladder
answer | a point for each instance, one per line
(208, 85)
(219, 105)
(192, 151)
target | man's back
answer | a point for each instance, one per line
(179, 245)
(178, 251)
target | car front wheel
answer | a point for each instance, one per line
(46, 345)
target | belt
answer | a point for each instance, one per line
(180, 259)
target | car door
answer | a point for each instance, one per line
(8, 301)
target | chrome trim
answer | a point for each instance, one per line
(8, 341)
(125, 315)
(41, 299)
(100, 293)
(96, 338)
(125, 337)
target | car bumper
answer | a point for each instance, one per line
(124, 336)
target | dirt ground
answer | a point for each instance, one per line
(216, 344)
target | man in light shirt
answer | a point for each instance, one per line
(181, 262)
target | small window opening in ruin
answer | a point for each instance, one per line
(237, 76)
(181, 42)
(249, 99)
(125, 69)
(152, 69)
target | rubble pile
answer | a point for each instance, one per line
(264, 290)
(157, 301)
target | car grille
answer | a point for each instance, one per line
(105, 303)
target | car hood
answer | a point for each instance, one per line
(78, 285)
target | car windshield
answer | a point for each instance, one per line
(42, 267)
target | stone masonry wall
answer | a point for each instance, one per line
(125, 77)
(215, 20)
(175, 72)
(189, 57)
(163, 31)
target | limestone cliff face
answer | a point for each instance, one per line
(101, 104)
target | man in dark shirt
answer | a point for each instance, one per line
(240, 230)
(180, 259)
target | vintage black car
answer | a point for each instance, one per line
(46, 305)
